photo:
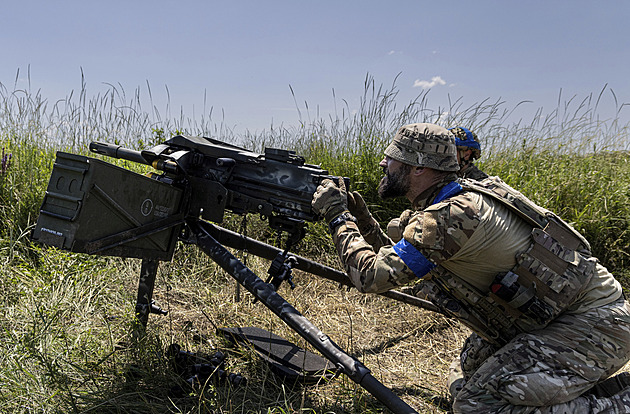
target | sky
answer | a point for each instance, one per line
(256, 62)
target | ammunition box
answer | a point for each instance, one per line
(95, 207)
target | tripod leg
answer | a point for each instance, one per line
(262, 291)
(148, 273)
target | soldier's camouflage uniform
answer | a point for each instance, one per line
(471, 171)
(544, 369)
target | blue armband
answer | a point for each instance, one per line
(414, 260)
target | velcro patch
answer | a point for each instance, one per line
(430, 228)
(426, 230)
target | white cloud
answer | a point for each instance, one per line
(391, 52)
(436, 80)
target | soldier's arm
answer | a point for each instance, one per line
(369, 228)
(370, 270)
(373, 234)
(430, 238)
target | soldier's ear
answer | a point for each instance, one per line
(417, 170)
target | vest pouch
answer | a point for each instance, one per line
(521, 297)
(554, 273)
(471, 307)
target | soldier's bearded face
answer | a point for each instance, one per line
(395, 183)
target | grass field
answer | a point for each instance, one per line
(67, 319)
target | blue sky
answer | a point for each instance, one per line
(243, 55)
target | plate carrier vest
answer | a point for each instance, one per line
(547, 278)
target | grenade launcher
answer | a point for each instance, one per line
(94, 207)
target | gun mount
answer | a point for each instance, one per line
(95, 207)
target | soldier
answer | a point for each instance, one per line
(551, 321)
(468, 150)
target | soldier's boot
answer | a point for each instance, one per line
(455, 381)
(610, 386)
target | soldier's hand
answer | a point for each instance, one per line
(330, 199)
(358, 208)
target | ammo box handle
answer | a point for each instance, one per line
(63, 197)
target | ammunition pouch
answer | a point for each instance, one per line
(549, 275)
(478, 311)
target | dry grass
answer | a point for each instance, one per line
(408, 349)
(68, 343)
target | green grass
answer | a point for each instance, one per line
(67, 318)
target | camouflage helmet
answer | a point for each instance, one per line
(424, 145)
(465, 139)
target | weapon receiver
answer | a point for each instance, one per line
(278, 185)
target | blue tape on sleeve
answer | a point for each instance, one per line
(414, 260)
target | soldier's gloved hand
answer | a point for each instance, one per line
(330, 199)
(358, 208)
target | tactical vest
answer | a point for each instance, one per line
(546, 280)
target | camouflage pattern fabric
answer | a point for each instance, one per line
(330, 199)
(369, 228)
(472, 172)
(424, 145)
(396, 227)
(546, 370)
(474, 352)
(463, 141)
(551, 371)
(467, 169)
(370, 272)
(372, 263)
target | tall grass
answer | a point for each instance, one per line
(568, 160)
(65, 327)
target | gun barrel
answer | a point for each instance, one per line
(116, 151)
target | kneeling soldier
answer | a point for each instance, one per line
(550, 322)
